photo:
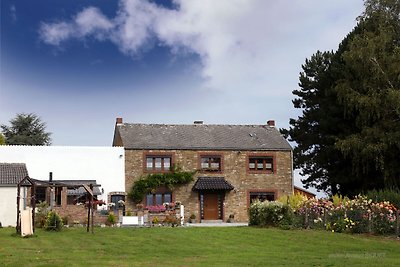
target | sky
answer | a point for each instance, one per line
(81, 64)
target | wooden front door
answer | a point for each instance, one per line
(211, 207)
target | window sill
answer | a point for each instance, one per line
(210, 171)
(259, 172)
(156, 171)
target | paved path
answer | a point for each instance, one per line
(218, 224)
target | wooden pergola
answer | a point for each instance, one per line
(34, 183)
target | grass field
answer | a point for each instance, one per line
(239, 246)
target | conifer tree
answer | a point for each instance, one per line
(26, 129)
(348, 136)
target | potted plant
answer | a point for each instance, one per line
(111, 219)
(155, 221)
(192, 218)
(128, 212)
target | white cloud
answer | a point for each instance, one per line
(89, 22)
(56, 33)
(134, 24)
(244, 45)
(92, 21)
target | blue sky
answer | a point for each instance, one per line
(81, 64)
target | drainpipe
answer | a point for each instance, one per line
(51, 191)
(292, 171)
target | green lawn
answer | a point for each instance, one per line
(241, 246)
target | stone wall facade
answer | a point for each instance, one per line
(234, 170)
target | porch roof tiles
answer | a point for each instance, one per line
(212, 183)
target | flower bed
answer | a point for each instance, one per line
(359, 215)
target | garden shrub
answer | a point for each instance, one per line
(111, 219)
(338, 200)
(41, 214)
(269, 213)
(53, 222)
(358, 211)
(383, 218)
(391, 195)
(294, 201)
(359, 215)
(171, 219)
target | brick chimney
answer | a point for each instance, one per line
(271, 123)
(119, 121)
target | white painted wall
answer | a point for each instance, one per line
(106, 165)
(8, 205)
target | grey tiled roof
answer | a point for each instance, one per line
(201, 137)
(80, 191)
(212, 183)
(12, 173)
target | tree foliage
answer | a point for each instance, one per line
(2, 139)
(26, 129)
(348, 136)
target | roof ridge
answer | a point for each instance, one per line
(201, 137)
(197, 125)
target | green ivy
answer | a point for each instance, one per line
(151, 182)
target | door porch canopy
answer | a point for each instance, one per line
(212, 184)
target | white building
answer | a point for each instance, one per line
(106, 165)
(10, 175)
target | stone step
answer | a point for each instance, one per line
(211, 221)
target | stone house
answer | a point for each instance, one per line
(236, 164)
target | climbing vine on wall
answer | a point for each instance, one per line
(151, 182)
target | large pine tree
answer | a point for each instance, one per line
(348, 137)
(26, 129)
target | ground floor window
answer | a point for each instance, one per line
(40, 194)
(158, 199)
(58, 192)
(262, 196)
(118, 202)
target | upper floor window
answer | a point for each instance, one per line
(261, 164)
(210, 163)
(158, 163)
